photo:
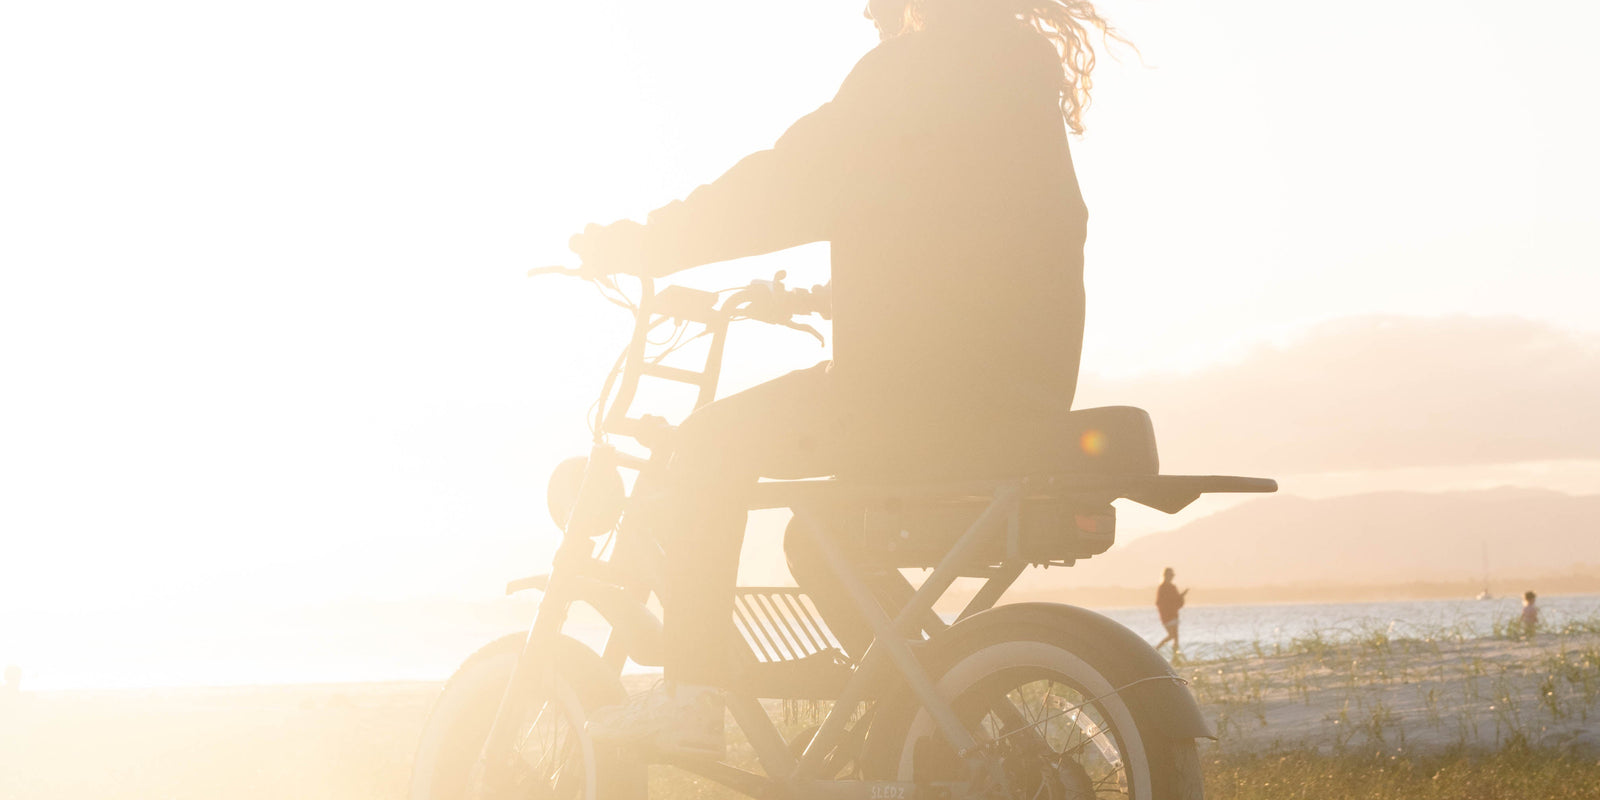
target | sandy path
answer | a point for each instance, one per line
(352, 741)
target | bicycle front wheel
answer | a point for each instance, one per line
(556, 760)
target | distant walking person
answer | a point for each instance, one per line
(1168, 601)
(1530, 613)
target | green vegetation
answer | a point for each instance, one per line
(1346, 713)
(1380, 712)
(1514, 772)
(1360, 689)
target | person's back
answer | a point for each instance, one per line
(940, 174)
(958, 266)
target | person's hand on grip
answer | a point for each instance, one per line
(615, 249)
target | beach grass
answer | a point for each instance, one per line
(1342, 713)
(1398, 691)
(1513, 773)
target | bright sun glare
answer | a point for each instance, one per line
(268, 349)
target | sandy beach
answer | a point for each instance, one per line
(344, 742)
(354, 741)
(1417, 695)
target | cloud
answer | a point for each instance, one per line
(1379, 392)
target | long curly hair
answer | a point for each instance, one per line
(1065, 23)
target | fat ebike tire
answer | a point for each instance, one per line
(461, 716)
(1035, 668)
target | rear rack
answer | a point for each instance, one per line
(1168, 493)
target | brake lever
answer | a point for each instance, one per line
(608, 281)
(801, 326)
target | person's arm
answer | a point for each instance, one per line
(789, 195)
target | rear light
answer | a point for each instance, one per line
(1096, 531)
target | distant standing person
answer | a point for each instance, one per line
(1168, 601)
(1530, 613)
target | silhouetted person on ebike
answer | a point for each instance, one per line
(941, 177)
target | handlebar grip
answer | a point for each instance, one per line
(816, 300)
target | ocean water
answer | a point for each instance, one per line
(1225, 629)
(1218, 630)
(428, 643)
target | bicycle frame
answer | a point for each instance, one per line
(619, 586)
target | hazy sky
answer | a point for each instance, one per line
(264, 336)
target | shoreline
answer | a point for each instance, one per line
(1369, 694)
(1118, 597)
(1211, 630)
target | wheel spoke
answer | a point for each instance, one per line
(550, 749)
(1110, 782)
(1052, 739)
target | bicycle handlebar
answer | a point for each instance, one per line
(762, 300)
(772, 302)
(575, 272)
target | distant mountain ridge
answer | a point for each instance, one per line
(1377, 538)
(1352, 395)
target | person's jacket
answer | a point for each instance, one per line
(1168, 601)
(940, 174)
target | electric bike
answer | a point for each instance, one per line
(1022, 700)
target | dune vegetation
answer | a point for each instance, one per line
(1342, 713)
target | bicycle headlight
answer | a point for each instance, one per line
(585, 504)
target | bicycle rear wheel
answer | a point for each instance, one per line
(1051, 721)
